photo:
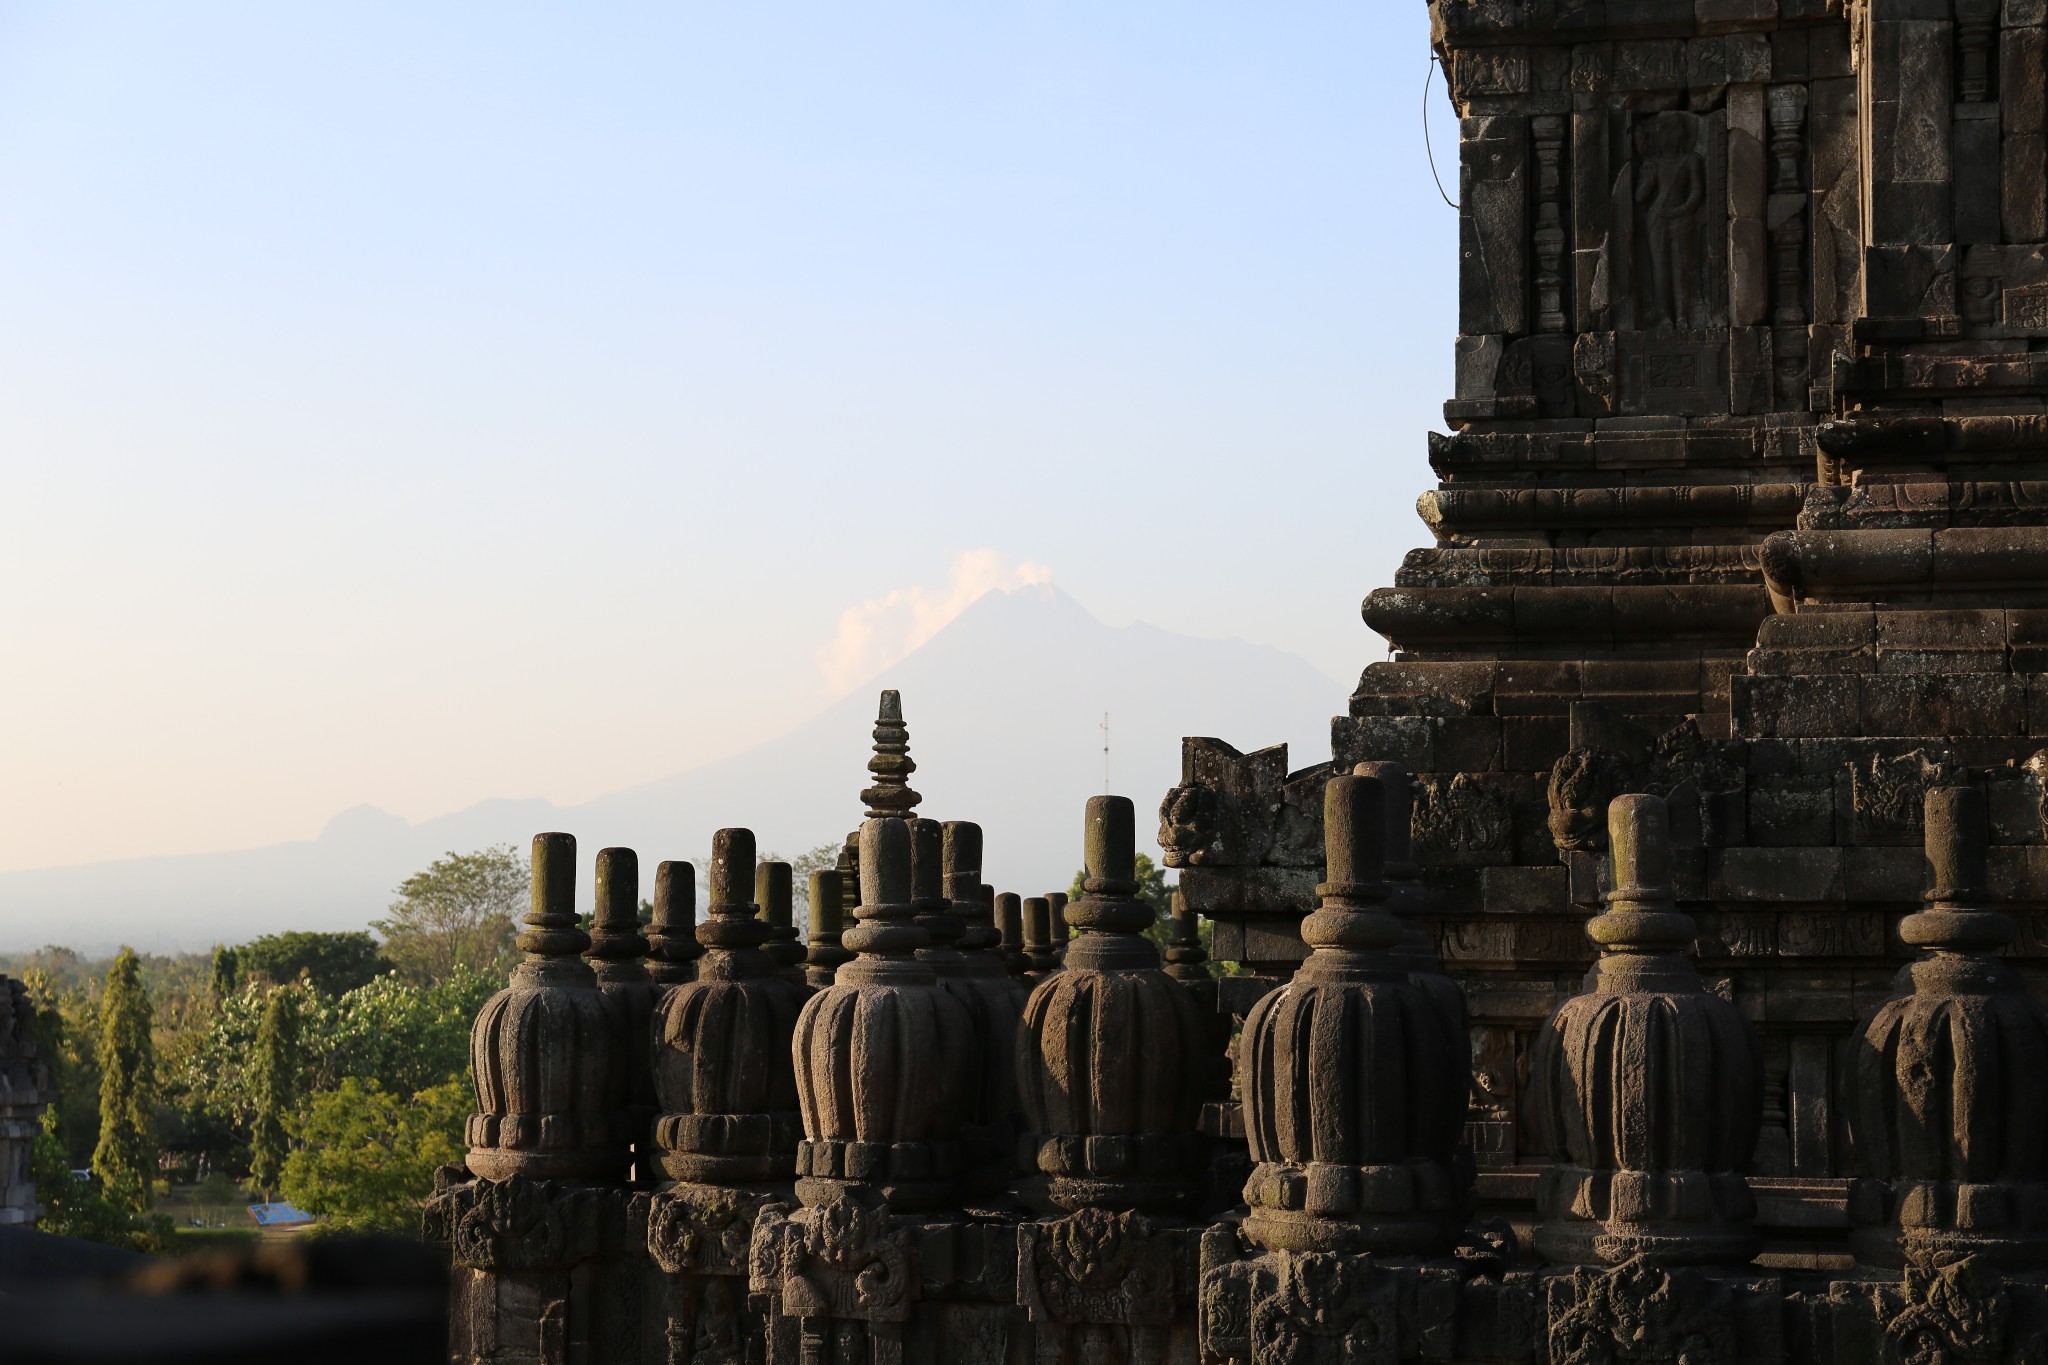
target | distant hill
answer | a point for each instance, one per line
(1004, 706)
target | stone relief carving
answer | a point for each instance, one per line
(1641, 1311)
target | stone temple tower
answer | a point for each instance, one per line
(1742, 502)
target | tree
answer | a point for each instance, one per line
(82, 1208)
(366, 1155)
(277, 1085)
(331, 963)
(225, 974)
(126, 1155)
(460, 912)
(404, 1036)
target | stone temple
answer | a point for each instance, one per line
(1650, 973)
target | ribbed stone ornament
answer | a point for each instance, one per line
(1356, 1080)
(547, 1051)
(1648, 1085)
(1110, 1059)
(884, 1057)
(721, 1055)
(1948, 1119)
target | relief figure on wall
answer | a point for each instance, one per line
(1670, 194)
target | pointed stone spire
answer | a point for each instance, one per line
(1355, 1083)
(775, 893)
(883, 1056)
(1038, 944)
(616, 947)
(1112, 1124)
(672, 931)
(823, 956)
(1649, 1087)
(546, 1051)
(1009, 913)
(1948, 1127)
(721, 1065)
(892, 765)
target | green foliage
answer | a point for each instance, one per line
(277, 1075)
(367, 1155)
(459, 914)
(396, 1033)
(330, 963)
(126, 1155)
(226, 972)
(82, 1208)
(406, 1037)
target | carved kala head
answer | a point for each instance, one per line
(1582, 783)
(1089, 1247)
(843, 1232)
(512, 1225)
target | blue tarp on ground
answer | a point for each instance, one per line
(278, 1215)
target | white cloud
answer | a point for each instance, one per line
(882, 630)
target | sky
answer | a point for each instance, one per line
(418, 402)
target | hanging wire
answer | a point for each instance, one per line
(1427, 77)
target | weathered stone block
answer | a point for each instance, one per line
(1792, 810)
(1954, 704)
(1793, 708)
(1407, 740)
(1790, 875)
(1525, 890)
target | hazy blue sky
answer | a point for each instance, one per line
(416, 402)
